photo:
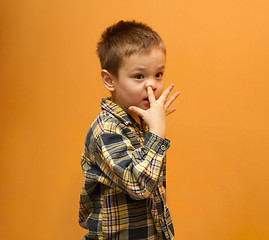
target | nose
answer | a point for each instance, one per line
(151, 82)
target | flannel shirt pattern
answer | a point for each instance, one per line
(124, 166)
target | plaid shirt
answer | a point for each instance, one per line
(124, 195)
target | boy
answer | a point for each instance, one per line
(124, 161)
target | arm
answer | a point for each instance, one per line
(135, 171)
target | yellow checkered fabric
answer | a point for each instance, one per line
(124, 166)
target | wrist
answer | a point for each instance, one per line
(158, 131)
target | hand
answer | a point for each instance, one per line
(155, 116)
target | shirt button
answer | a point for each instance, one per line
(163, 147)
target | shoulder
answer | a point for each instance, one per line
(105, 123)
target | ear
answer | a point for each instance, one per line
(108, 80)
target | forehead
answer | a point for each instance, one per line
(155, 58)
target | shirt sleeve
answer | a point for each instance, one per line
(135, 171)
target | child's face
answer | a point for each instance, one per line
(136, 73)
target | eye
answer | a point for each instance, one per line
(139, 76)
(159, 75)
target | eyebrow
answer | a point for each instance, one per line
(161, 67)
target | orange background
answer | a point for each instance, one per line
(218, 57)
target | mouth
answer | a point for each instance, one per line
(146, 100)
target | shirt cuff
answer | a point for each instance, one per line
(156, 143)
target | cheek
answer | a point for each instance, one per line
(137, 90)
(132, 96)
(160, 89)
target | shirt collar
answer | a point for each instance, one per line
(117, 111)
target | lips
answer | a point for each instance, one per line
(146, 101)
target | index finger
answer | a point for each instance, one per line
(151, 96)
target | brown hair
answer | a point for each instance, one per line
(124, 39)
